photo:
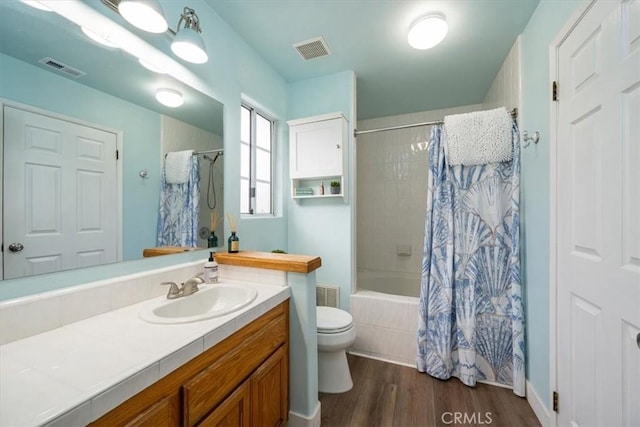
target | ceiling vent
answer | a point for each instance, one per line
(313, 48)
(63, 68)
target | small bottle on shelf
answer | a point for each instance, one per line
(233, 243)
(322, 187)
(212, 241)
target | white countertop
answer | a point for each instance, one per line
(74, 374)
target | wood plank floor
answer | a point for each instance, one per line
(385, 394)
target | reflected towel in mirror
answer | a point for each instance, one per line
(177, 165)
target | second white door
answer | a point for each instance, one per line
(598, 218)
(60, 195)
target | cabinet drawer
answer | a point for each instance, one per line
(209, 387)
(163, 413)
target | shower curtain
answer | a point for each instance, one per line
(471, 322)
(179, 209)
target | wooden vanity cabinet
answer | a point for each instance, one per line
(242, 381)
(259, 400)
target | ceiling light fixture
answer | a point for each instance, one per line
(144, 14)
(169, 97)
(427, 31)
(188, 43)
(99, 38)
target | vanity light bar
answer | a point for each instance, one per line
(83, 15)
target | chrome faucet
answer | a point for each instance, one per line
(189, 287)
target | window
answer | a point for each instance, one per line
(256, 142)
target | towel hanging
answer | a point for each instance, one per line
(479, 137)
(177, 165)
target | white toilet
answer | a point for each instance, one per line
(336, 333)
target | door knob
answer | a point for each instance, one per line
(638, 339)
(16, 247)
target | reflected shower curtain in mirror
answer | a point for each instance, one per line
(179, 208)
(471, 320)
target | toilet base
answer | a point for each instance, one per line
(333, 372)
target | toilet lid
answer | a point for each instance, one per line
(333, 320)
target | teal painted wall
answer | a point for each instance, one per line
(324, 227)
(546, 22)
(235, 72)
(141, 138)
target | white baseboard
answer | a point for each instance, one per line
(538, 407)
(297, 420)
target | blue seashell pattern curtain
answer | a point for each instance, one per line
(471, 320)
(179, 210)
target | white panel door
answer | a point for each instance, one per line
(59, 195)
(598, 218)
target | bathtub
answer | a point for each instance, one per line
(386, 324)
(394, 283)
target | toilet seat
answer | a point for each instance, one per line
(333, 320)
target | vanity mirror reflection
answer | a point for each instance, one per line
(50, 70)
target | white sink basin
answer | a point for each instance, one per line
(210, 301)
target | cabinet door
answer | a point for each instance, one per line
(163, 413)
(207, 389)
(270, 391)
(316, 149)
(232, 412)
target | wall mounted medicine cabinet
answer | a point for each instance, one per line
(318, 155)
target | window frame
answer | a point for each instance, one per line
(253, 148)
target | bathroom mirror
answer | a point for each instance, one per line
(122, 88)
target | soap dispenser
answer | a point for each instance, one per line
(211, 269)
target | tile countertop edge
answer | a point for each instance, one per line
(124, 388)
(271, 261)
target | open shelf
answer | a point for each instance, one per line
(314, 184)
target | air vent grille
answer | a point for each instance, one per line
(327, 295)
(313, 48)
(63, 68)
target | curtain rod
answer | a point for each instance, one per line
(514, 114)
(218, 151)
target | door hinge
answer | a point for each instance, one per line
(554, 91)
(117, 154)
(555, 401)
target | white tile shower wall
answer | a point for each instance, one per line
(392, 188)
(385, 327)
(505, 89)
